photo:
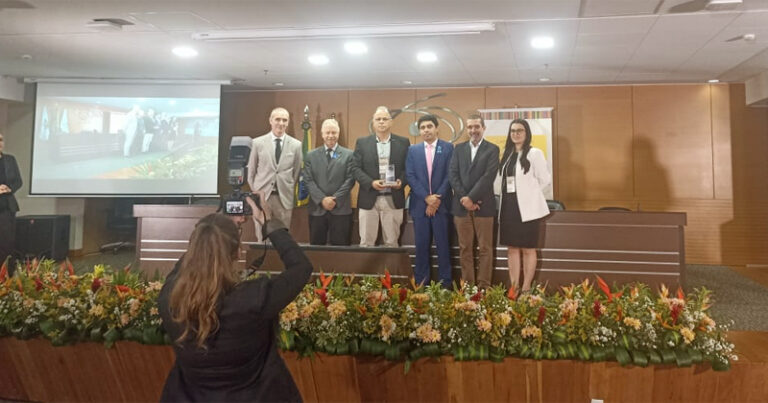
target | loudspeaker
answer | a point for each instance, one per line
(43, 235)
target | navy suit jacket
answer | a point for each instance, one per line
(418, 179)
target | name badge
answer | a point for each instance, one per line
(511, 184)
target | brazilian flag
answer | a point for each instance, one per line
(302, 193)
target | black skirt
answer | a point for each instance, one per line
(512, 230)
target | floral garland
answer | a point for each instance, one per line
(338, 315)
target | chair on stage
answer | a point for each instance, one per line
(121, 223)
(555, 205)
(613, 208)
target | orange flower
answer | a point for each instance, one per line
(387, 280)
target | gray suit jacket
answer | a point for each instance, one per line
(474, 178)
(264, 173)
(324, 178)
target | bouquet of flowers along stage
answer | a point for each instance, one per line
(322, 318)
(48, 299)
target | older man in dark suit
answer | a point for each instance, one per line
(379, 168)
(472, 172)
(10, 182)
(328, 175)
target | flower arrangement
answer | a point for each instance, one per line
(43, 298)
(339, 315)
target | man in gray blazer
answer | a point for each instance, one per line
(379, 168)
(472, 172)
(274, 167)
(328, 175)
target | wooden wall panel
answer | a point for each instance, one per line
(321, 105)
(749, 147)
(594, 143)
(463, 101)
(673, 142)
(721, 141)
(519, 97)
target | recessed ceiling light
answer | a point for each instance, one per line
(714, 80)
(278, 84)
(426, 57)
(356, 48)
(544, 79)
(407, 82)
(318, 59)
(542, 42)
(184, 52)
(26, 57)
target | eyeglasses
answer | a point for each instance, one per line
(517, 130)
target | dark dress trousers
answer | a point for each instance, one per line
(436, 227)
(241, 362)
(329, 176)
(10, 176)
(366, 169)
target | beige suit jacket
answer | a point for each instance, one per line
(264, 173)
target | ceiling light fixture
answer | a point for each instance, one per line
(544, 79)
(407, 82)
(713, 81)
(426, 57)
(542, 42)
(185, 52)
(278, 84)
(363, 31)
(356, 48)
(318, 59)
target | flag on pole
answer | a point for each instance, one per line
(302, 193)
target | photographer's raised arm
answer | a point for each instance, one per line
(284, 287)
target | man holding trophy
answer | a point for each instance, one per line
(379, 168)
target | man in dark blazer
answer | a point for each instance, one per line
(472, 172)
(328, 175)
(427, 173)
(10, 182)
(379, 168)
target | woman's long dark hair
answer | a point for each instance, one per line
(207, 272)
(509, 146)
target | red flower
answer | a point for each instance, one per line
(387, 280)
(122, 289)
(512, 293)
(323, 296)
(403, 294)
(96, 284)
(324, 281)
(675, 313)
(542, 314)
(477, 297)
(4, 271)
(38, 284)
(596, 311)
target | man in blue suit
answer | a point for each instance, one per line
(426, 169)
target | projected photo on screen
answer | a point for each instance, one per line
(125, 140)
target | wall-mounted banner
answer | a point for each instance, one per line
(497, 123)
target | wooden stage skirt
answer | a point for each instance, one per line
(87, 372)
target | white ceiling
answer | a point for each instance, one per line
(596, 41)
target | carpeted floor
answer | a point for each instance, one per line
(735, 297)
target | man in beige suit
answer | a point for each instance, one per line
(274, 167)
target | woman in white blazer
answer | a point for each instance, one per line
(523, 174)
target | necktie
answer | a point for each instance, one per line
(429, 166)
(329, 154)
(278, 149)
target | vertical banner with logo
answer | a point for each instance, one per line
(497, 123)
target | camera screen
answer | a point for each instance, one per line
(234, 207)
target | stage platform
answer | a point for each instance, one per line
(34, 370)
(619, 246)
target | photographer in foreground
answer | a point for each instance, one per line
(224, 329)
